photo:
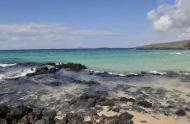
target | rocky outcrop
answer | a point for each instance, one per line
(72, 66)
(53, 68)
(26, 115)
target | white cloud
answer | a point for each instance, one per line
(163, 24)
(33, 31)
(45, 35)
(176, 17)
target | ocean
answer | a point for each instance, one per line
(114, 60)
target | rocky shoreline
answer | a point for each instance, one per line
(100, 101)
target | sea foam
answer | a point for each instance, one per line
(7, 65)
(17, 74)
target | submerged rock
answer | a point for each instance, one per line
(105, 102)
(87, 100)
(89, 83)
(180, 112)
(145, 104)
(18, 112)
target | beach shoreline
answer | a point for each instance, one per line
(76, 94)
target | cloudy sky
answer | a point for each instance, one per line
(35, 24)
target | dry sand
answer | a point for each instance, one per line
(143, 118)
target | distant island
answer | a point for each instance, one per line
(185, 44)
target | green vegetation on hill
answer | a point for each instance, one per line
(169, 45)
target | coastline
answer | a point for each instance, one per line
(76, 94)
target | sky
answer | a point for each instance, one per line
(46, 24)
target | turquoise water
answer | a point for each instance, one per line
(117, 60)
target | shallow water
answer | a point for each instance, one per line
(53, 90)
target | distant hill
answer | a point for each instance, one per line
(169, 45)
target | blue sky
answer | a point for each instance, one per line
(28, 24)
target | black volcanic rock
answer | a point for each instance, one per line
(180, 112)
(72, 66)
(145, 104)
(44, 69)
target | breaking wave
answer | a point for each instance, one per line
(7, 65)
(17, 73)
